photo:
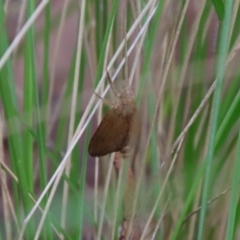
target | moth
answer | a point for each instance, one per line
(120, 128)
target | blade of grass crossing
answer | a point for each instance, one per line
(224, 43)
(232, 109)
(188, 202)
(235, 33)
(219, 7)
(234, 194)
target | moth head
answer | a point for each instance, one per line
(125, 103)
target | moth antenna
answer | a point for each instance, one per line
(107, 102)
(111, 84)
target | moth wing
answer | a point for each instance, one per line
(134, 133)
(111, 134)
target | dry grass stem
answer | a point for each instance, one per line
(209, 202)
(157, 104)
(22, 33)
(56, 52)
(73, 108)
(99, 232)
(161, 191)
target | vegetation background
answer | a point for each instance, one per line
(183, 65)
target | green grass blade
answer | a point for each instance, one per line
(224, 124)
(9, 99)
(82, 187)
(105, 41)
(234, 194)
(28, 105)
(219, 8)
(224, 39)
(8, 96)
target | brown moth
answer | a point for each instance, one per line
(119, 130)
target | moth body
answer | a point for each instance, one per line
(118, 129)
